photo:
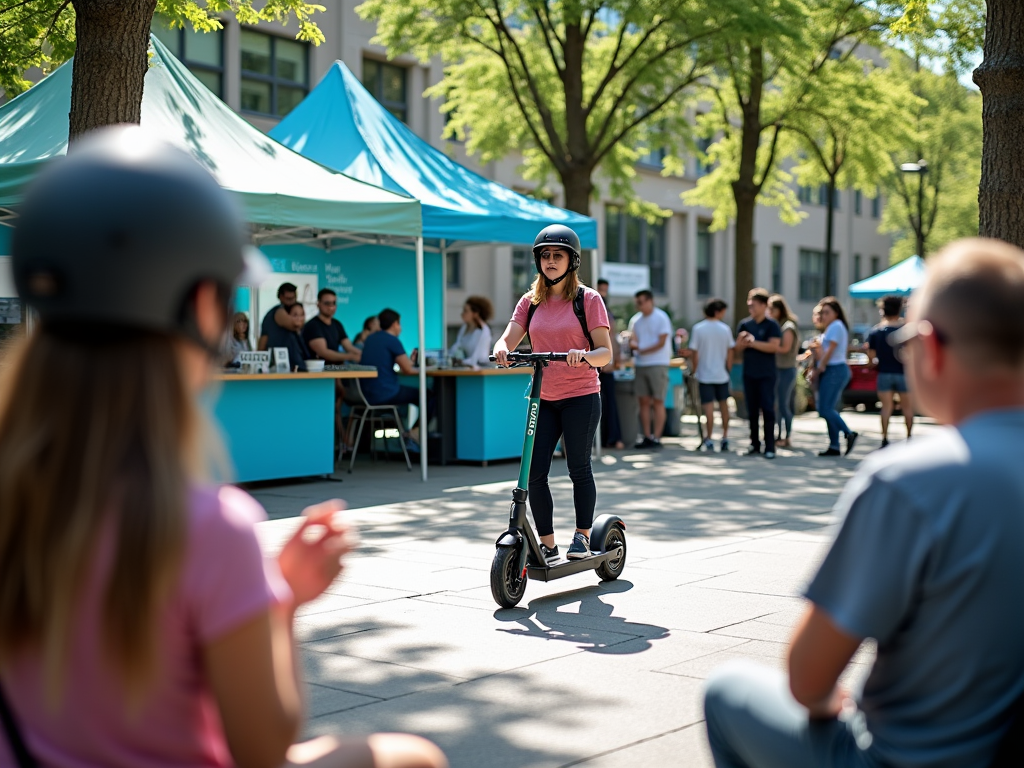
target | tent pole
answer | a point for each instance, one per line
(422, 361)
(444, 299)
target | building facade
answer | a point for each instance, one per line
(262, 73)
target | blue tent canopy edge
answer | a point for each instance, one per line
(900, 279)
(341, 125)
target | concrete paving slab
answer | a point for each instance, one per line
(582, 673)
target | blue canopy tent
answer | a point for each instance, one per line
(899, 280)
(341, 125)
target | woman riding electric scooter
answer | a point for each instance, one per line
(554, 313)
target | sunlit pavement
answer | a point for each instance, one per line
(582, 673)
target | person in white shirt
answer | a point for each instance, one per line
(710, 345)
(473, 344)
(651, 330)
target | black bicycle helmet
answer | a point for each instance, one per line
(562, 236)
(121, 231)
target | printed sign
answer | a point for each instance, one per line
(281, 360)
(254, 362)
(10, 311)
(338, 282)
(626, 279)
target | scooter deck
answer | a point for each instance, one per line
(569, 567)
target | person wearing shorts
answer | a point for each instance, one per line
(891, 380)
(710, 346)
(652, 349)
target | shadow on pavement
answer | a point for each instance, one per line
(542, 619)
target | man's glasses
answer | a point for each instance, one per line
(910, 331)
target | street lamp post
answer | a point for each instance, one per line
(920, 168)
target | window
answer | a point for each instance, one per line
(453, 268)
(631, 240)
(275, 73)
(201, 52)
(776, 269)
(857, 202)
(703, 258)
(876, 206)
(876, 265)
(805, 195)
(655, 158)
(812, 275)
(387, 84)
(524, 268)
(856, 268)
(703, 168)
(823, 196)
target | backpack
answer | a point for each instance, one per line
(578, 309)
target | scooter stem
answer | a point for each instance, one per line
(532, 416)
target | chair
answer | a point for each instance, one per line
(375, 414)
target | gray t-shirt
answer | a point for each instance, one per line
(929, 561)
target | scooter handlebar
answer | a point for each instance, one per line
(534, 357)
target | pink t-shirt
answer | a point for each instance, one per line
(555, 328)
(225, 580)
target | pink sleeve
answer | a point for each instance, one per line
(597, 313)
(522, 311)
(228, 580)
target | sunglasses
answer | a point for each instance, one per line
(912, 330)
(551, 254)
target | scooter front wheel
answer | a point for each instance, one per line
(507, 584)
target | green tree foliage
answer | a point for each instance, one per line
(582, 88)
(764, 87)
(847, 130)
(41, 33)
(943, 129)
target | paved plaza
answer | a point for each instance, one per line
(582, 673)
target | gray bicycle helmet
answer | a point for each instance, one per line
(121, 232)
(564, 237)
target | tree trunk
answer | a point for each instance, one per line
(1001, 81)
(746, 207)
(112, 40)
(745, 188)
(830, 215)
(578, 188)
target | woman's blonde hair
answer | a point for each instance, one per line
(540, 290)
(96, 441)
(778, 301)
(234, 321)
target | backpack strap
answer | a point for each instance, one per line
(22, 757)
(578, 308)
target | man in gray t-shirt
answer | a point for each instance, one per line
(929, 561)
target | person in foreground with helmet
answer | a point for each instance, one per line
(140, 624)
(561, 315)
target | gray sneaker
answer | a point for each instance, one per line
(709, 446)
(580, 547)
(724, 447)
(551, 556)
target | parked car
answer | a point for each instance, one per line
(863, 386)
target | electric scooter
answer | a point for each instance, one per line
(518, 557)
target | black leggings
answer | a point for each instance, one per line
(575, 421)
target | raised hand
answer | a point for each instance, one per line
(311, 559)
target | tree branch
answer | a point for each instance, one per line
(685, 83)
(545, 113)
(771, 161)
(613, 68)
(547, 40)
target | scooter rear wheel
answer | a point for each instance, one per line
(611, 569)
(507, 584)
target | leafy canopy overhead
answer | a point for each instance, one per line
(577, 86)
(41, 33)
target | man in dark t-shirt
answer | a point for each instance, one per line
(890, 370)
(759, 337)
(326, 336)
(277, 315)
(290, 338)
